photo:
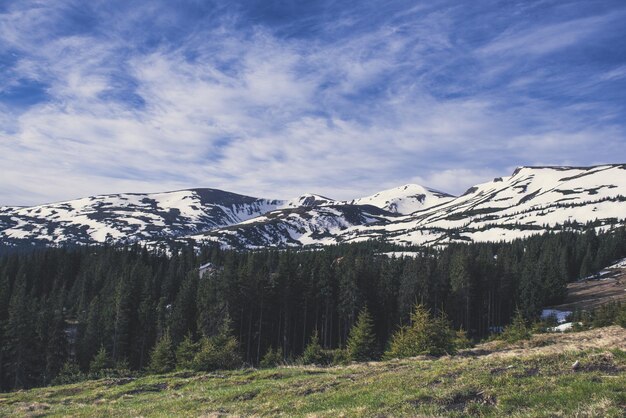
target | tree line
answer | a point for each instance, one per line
(65, 307)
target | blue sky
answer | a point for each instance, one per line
(278, 98)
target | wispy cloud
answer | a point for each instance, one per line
(148, 97)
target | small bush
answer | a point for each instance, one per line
(517, 330)
(272, 358)
(70, 373)
(426, 335)
(461, 341)
(218, 352)
(100, 362)
(313, 353)
(338, 357)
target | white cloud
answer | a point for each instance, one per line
(258, 114)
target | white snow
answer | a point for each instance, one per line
(561, 316)
(563, 327)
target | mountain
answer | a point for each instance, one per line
(532, 200)
(404, 199)
(130, 217)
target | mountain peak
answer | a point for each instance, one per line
(405, 199)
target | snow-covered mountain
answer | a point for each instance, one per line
(122, 218)
(405, 199)
(532, 200)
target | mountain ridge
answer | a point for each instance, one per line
(533, 199)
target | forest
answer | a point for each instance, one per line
(69, 305)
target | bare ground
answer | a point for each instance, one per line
(589, 294)
(541, 344)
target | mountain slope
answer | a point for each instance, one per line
(404, 199)
(530, 201)
(130, 217)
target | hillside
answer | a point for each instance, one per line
(488, 380)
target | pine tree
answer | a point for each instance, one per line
(100, 362)
(21, 339)
(313, 353)
(362, 344)
(426, 335)
(517, 330)
(272, 358)
(218, 352)
(185, 353)
(162, 357)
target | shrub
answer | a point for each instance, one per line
(100, 362)
(338, 356)
(461, 340)
(426, 335)
(517, 330)
(272, 358)
(313, 353)
(218, 352)
(70, 373)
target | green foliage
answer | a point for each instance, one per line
(272, 358)
(162, 358)
(362, 345)
(220, 352)
(70, 373)
(426, 335)
(186, 352)
(100, 362)
(313, 353)
(339, 356)
(57, 304)
(518, 330)
(605, 315)
(461, 341)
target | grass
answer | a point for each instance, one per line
(536, 381)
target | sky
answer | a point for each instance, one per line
(278, 98)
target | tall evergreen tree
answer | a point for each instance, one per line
(362, 345)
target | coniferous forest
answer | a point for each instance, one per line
(92, 306)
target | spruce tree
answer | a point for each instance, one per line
(218, 352)
(362, 344)
(185, 353)
(426, 335)
(162, 358)
(313, 353)
(100, 362)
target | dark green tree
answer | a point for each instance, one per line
(362, 344)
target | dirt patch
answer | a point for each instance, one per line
(118, 381)
(33, 409)
(275, 376)
(461, 400)
(157, 387)
(589, 294)
(425, 399)
(604, 363)
(316, 389)
(529, 372)
(246, 396)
